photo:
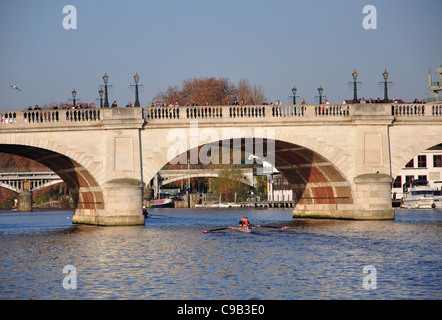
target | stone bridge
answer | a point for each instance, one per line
(339, 159)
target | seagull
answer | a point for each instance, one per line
(15, 87)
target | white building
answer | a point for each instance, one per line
(278, 188)
(425, 166)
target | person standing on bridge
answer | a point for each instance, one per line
(114, 105)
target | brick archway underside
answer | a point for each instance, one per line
(313, 178)
(82, 185)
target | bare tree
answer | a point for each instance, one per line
(251, 95)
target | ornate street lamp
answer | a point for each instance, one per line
(74, 95)
(320, 90)
(385, 75)
(101, 92)
(294, 94)
(106, 101)
(355, 90)
(136, 78)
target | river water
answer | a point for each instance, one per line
(170, 258)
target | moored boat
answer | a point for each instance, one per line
(162, 203)
(418, 195)
(438, 199)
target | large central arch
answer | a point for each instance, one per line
(315, 180)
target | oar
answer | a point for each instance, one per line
(217, 229)
(275, 227)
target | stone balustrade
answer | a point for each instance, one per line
(246, 112)
(153, 115)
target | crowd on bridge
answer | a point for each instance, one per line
(82, 105)
(230, 103)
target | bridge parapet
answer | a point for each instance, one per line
(416, 110)
(245, 113)
(112, 117)
(213, 114)
(291, 113)
(50, 116)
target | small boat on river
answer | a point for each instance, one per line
(218, 205)
(162, 203)
(241, 229)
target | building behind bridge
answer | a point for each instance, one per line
(425, 166)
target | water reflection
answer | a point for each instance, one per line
(169, 258)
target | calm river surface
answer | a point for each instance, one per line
(170, 258)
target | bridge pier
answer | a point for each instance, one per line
(372, 201)
(121, 205)
(25, 199)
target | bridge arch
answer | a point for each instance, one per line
(85, 190)
(316, 181)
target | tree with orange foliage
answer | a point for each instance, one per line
(199, 91)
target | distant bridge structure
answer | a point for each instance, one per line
(14, 181)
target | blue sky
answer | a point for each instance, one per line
(275, 44)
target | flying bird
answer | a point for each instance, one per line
(15, 87)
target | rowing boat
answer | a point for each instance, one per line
(242, 229)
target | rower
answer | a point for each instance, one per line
(245, 223)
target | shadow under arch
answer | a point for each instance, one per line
(85, 191)
(313, 178)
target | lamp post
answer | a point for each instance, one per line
(74, 95)
(385, 75)
(320, 90)
(106, 101)
(294, 94)
(136, 78)
(355, 90)
(100, 92)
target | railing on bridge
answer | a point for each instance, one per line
(325, 112)
(237, 112)
(50, 116)
(410, 110)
